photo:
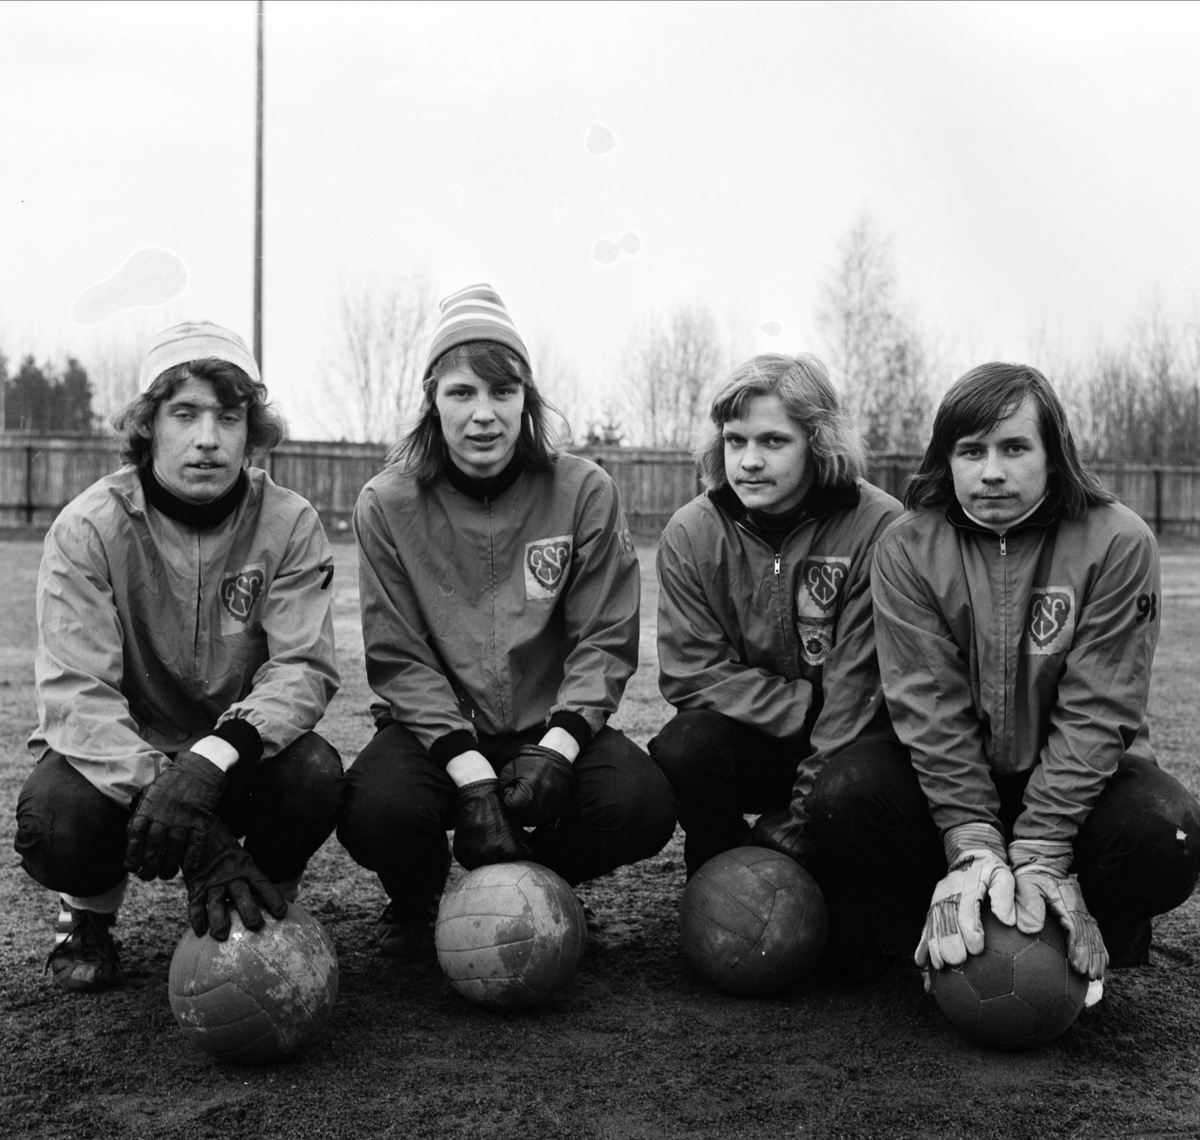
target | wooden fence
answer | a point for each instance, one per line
(39, 475)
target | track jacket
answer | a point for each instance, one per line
(1027, 651)
(495, 615)
(152, 633)
(781, 643)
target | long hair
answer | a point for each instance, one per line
(802, 384)
(232, 387)
(975, 404)
(423, 451)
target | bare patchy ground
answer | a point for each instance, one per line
(635, 1047)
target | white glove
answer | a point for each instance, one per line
(978, 870)
(1040, 869)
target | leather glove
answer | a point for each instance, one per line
(170, 813)
(978, 869)
(482, 832)
(1040, 868)
(786, 831)
(218, 870)
(535, 785)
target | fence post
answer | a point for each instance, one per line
(29, 484)
(1158, 500)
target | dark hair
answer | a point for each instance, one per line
(423, 450)
(975, 404)
(232, 387)
(802, 384)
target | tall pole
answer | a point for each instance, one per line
(258, 199)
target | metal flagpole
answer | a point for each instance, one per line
(258, 202)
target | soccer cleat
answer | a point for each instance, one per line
(85, 954)
(405, 934)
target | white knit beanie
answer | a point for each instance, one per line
(195, 340)
(474, 313)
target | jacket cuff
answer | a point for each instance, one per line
(453, 744)
(243, 736)
(574, 724)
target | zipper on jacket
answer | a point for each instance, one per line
(1003, 546)
(487, 506)
(784, 608)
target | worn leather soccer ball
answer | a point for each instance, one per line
(259, 996)
(752, 921)
(510, 934)
(1021, 992)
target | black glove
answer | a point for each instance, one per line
(217, 865)
(789, 832)
(482, 832)
(171, 811)
(536, 785)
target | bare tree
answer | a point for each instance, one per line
(670, 368)
(558, 378)
(113, 367)
(1141, 400)
(879, 360)
(374, 372)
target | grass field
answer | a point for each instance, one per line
(636, 1047)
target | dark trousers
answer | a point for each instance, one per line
(879, 854)
(399, 805)
(71, 837)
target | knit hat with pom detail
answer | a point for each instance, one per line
(474, 313)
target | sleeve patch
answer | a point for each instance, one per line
(1050, 627)
(546, 563)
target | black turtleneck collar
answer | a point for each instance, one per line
(202, 516)
(484, 490)
(1046, 514)
(774, 528)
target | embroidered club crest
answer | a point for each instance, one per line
(546, 565)
(240, 591)
(821, 582)
(1051, 624)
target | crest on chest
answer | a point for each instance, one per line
(819, 591)
(547, 561)
(239, 593)
(1050, 626)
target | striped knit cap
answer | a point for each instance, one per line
(195, 340)
(474, 313)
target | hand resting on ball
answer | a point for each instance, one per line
(483, 833)
(536, 785)
(218, 870)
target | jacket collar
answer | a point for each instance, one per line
(820, 502)
(483, 490)
(1046, 514)
(202, 516)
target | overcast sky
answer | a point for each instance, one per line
(1037, 165)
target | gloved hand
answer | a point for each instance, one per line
(786, 831)
(218, 870)
(482, 832)
(170, 813)
(535, 785)
(978, 869)
(1040, 868)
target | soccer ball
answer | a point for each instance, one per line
(510, 935)
(752, 921)
(1021, 992)
(259, 996)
